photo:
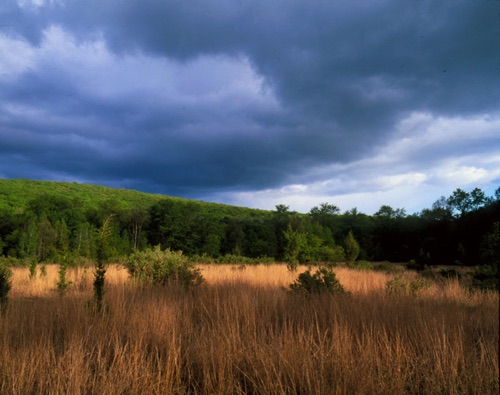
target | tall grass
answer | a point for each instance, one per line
(242, 333)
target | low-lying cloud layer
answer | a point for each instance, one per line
(254, 103)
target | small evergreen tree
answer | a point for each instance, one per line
(295, 241)
(103, 248)
(351, 248)
(32, 268)
(63, 284)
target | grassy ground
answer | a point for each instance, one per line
(242, 333)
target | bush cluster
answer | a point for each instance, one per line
(162, 267)
(322, 281)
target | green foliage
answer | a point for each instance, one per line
(103, 236)
(487, 275)
(238, 259)
(361, 265)
(486, 278)
(463, 202)
(15, 194)
(63, 283)
(32, 269)
(387, 267)
(212, 244)
(331, 254)
(384, 266)
(295, 242)
(320, 282)
(324, 209)
(98, 285)
(5, 286)
(388, 212)
(490, 246)
(103, 253)
(45, 221)
(401, 286)
(162, 267)
(351, 248)
(10, 261)
(29, 239)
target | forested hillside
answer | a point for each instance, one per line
(51, 221)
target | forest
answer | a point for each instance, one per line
(57, 221)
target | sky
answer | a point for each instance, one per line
(255, 102)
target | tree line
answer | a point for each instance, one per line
(460, 229)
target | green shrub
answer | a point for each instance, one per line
(5, 286)
(231, 259)
(429, 274)
(98, 285)
(331, 254)
(396, 286)
(203, 258)
(361, 265)
(322, 281)
(387, 267)
(419, 285)
(11, 261)
(63, 283)
(157, 267)
(32, 269)
(351, 248)
(81, 261)
(400, 286)
(486, 278)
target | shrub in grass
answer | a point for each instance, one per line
(400, 286)
(5, 286)
(320, 282)
(32, 269)
(419, 285)
(162, 267)
(486, 278)
(387, 267)
(361, 265)
(63, 283)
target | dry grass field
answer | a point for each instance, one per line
(242, 333)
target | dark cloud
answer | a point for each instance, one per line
(337, 79)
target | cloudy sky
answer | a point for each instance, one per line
(255, 102)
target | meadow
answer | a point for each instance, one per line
(243, 332)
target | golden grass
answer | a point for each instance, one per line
(241, 333)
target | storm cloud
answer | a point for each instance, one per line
(255, 102)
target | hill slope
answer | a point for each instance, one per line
(15, 195)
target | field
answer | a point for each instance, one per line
(242, 333)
